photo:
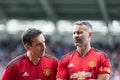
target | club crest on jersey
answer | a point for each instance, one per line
(47, 72)
(91, 63)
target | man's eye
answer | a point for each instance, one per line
(73, 32)
(39, 44)
(78, 32)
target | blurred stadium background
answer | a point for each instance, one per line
(55, 18)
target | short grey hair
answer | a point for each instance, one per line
(87, 24)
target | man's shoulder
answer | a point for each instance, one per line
(15, 60)
(49, 57)
(68, 55)
(101, 53)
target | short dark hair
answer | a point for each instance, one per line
(84, 23)
(28, 34)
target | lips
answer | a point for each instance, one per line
(78, 40)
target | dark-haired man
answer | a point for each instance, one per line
(34, 64)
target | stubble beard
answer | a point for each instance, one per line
(78, 42)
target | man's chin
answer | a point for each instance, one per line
(41, 54)
(78, 44)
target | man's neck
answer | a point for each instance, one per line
(83, 50)
(33, 59)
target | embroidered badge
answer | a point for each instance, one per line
(92, 63)
(47, 72)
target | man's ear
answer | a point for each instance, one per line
(90, 34)
(27, 47)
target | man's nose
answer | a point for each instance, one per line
(44, 46)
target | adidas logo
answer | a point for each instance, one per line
(25, 74)
(71, 65)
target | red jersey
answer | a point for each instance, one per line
(75, 67)
(21, 68)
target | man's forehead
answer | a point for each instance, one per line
(79, 27)
(42, 36)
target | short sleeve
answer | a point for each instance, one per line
(62, 70)
(8, 74)
(105, 65)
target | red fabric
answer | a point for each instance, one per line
(73, 66)
(26, 70)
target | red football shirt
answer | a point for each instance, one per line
(75, 67)
(21, 68)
